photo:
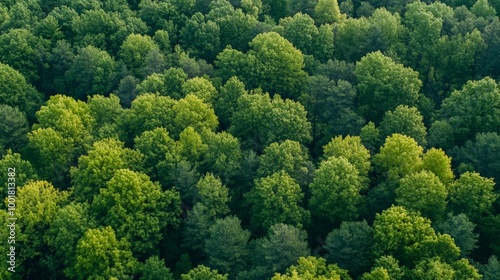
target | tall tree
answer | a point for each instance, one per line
(276, 199)
(423, 192)
(113, 259)
(279, 65)
(384, 84)
(472, 109)
(259, 121)
(335, 192)
(327, 11)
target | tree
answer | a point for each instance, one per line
(227, 100)
(137, 208)
(68, 226)
(24, 52)
(160, 152)
(134, 51)
(473, 195)
(482, 154)
(276, 199)
(147, 112)
(226, 246)
(391, 265)
(384, 84)
(406, 121)
(399, 156)
(351, 148)
(95, 169)
(462, 230)
(278, 68)
(36, 204)
(281, 248)
(192, 111)
(409, 238)
(300, 31)
(259, 121)
(471, 110)
(350, 247)
(437, 162)
(212, 194)
(15, 91)
(100, 254)
(423, 192)
(24, 172)
(335, 191)
(155, 269)
(201, 37)
(378, 273)
(105, 111)
(196, 227)
(288, 156)
(202, 272)
(92, 72)
(327, 11)
(483, 9)
(309, 268)
(201, 88)
(13, 129)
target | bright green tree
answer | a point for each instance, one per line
(36, 206)
(351, 148)
(327, 11)
(288, 156)
(279, 65)
(201, 88)
(100, 254)
(192, 111)
(276, 198)
(473, 195)
(134, 51)
(310, 268)
(335, 191)
(155, 269)
(95, 169)
(202, 272)
(24, 172)
(212, 194)
(437, 162)
(399, 156)
(472, 109)
(67, 227)
(423, 192)
(138, 209)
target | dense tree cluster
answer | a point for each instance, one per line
(251, 139)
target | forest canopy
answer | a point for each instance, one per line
(250, 139)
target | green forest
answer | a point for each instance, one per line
(250, 139)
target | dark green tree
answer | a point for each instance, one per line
(350, 247)
(226, 246)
